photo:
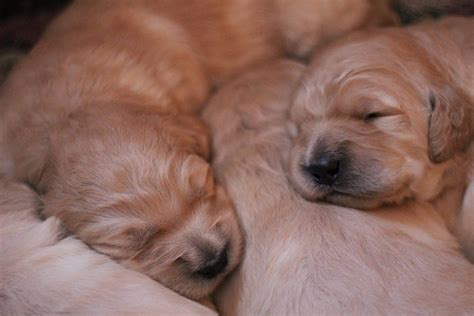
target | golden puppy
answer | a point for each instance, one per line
(43, 272)
(133, 188)
(387, 116)
(305, 258)
(101, 119)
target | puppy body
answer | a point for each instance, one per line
(44, 272)
(101, 118)
(306, 258)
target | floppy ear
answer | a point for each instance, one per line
(450, 123)
(196, 176)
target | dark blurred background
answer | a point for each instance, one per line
(23, 21)
(21, 24)
(413, 10)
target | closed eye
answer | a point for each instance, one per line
(372, 116)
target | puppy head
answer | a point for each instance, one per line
(377, 121)
(142, 193)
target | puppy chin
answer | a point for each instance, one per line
(176, 278)
(193, 288)
(347, 200)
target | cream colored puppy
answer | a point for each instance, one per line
(387, 116)
(101, 118)
(307, 258)
(43, 272)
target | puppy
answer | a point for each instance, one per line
(305, 258)
(387, 116)
(101, 119)
(44, 272)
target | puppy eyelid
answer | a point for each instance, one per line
(432, 102)
(372, 116)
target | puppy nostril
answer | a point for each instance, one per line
(333, 168)
(324, 170)
(213, 267)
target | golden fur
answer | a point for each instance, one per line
(101, 119)
(395, 109)
(306, 258)
(43, 272)
(302, 30)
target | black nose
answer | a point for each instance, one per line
(324, 170)
(215, 264)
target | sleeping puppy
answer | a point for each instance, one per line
(306, 258)
(101, 119)
(387, 116)
(133, 187)
(45, 273)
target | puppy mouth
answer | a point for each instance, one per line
(344, 194)
(323, 191)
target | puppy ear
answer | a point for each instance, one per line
(196, 176)
(192, 134)
(450, 124)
